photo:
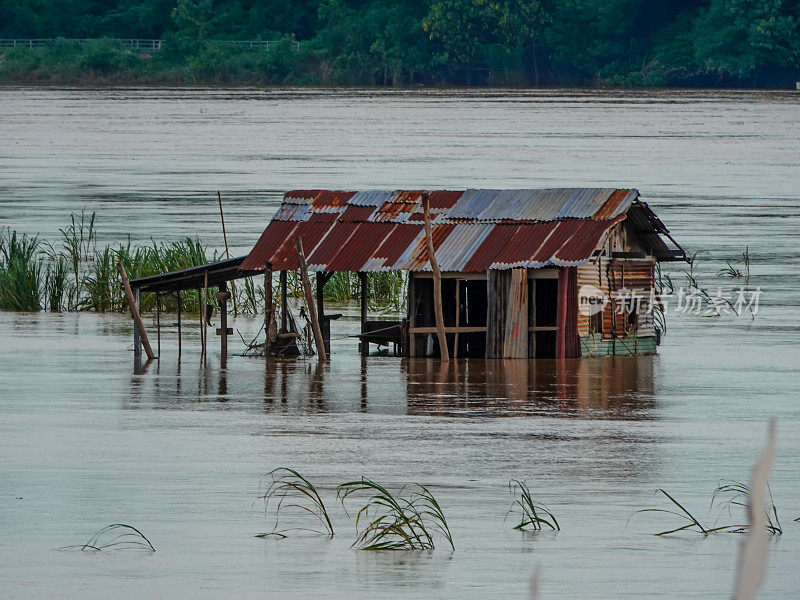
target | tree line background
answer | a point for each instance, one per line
(750, 43)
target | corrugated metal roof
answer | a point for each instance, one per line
(473, 230)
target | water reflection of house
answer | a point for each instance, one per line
(622, 387)
(551, 273)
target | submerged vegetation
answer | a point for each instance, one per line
(407, 520)
(293, 491)
(709, 43)
(394, 521)
(725, 496)
(117, 536)
(533, 515)
(80, 275)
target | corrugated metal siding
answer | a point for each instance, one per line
(473, 230)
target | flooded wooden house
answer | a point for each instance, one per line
(523, 273)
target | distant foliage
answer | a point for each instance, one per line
(387, 42)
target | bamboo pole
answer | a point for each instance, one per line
(227, 251)
(137, 318)
(158, 323)
(437, 281)
(312, 309)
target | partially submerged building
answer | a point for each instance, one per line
(549, 273)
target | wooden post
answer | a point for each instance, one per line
(134, 304)
(158, 323)
(204, 316)
(180, 340)
(458, 317)
(412, 316)
(284, 307)
(137, 339)
(200, 312)
(561, 340)
(312, 310)
(222, 297)
(437, 280)
(364, 293)
(267, 307)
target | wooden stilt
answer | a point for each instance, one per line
(200, 312)
(180, 334)
(222, 297)
(437, 281)
(205, 316)
(267, 307)
(158, 323)
(364, 293)
(458, 318)
(137, 338)
(284, 307)
(140, 335)
(312, 310)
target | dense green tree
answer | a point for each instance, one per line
(391, 42)
(742, 37)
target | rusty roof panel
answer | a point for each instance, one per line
(336, 237)
(580, 246)
(360, 247)
(357, 214)
(397, 242)
(473, 230)
(285, 258)
(370, 198)
(562, 232)
(497, 237)
(524, 245)
(417, 259)
(273, 238)
(331, 198)
(443, 199)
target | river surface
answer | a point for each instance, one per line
(179, 451)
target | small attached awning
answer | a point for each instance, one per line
(194, 277)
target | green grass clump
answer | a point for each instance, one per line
(20, 272)
(533, 516)
(293, 491)
(395, 522)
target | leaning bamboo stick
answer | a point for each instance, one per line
(437, 280)
(312, 310)
(227, 250)
(137, 318)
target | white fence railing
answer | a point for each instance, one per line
(137, 44)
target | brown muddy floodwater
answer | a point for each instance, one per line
(179, 451)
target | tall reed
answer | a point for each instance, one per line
(20, 272)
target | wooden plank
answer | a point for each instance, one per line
(137, 318)
(498, 283)
(364, 295)
(464, 329)
(515, 338)
(437, 281)
(312, 309)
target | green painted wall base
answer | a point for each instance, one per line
(594, 345)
